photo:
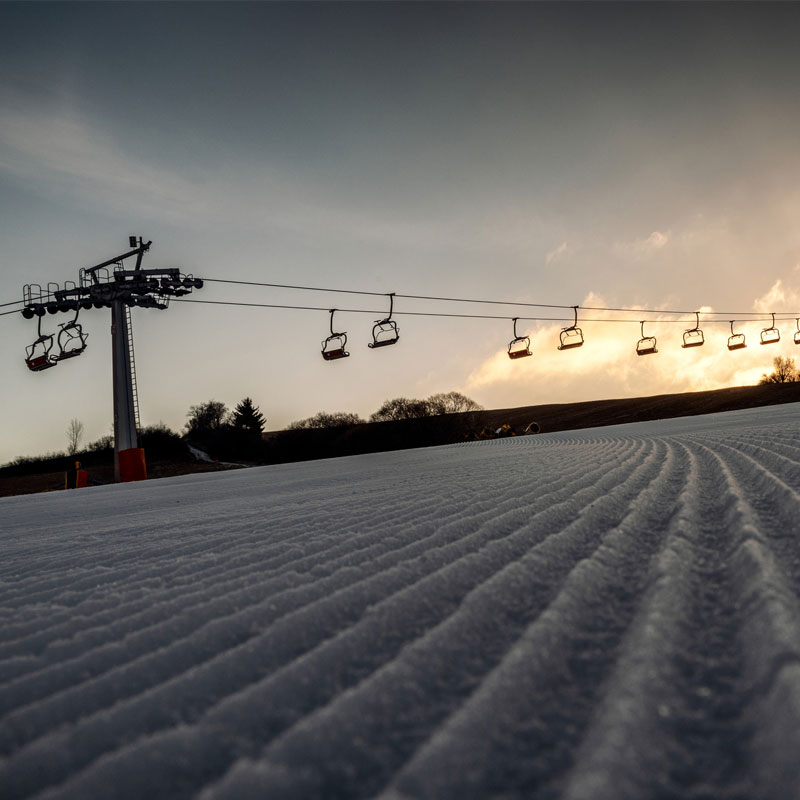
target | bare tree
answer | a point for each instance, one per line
(206, 418)
(401, 408)
(337, 419)
(74, 436)
(785, 371)
(451, 403)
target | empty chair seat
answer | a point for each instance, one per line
(519, 346)
(646, 345)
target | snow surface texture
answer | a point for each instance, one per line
(606, 613)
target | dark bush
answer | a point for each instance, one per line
(234, 444)
(337, 419)
(162, 443)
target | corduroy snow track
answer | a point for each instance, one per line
(611, 613)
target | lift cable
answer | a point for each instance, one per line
(431, 313)
(727, 315)
(734, 314)
(383, 294)
(360, 310)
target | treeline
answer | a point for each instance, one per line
(233, 435)
(398, 408)
(227, 435)
(237, 435)
(160, 443)
(210, 425)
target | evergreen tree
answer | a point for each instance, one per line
(247, 417)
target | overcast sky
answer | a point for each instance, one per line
(598, 154)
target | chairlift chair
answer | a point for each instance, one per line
(770, 335)
(37, 355)
(736, 341)
(519, 346)
(645, 345)
(333, 346)
(385, 331)
(571, 336)
(796, 336)
(693, 337)
(71, 339)
(34, 298)
(32, 293)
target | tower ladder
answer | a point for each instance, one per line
(133, 368)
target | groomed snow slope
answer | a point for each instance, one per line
(609, 613)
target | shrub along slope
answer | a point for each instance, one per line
(166, 456)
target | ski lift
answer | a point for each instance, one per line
(645, 345)
(71, 338)
(519, 346)
(572, 336)
(797, 332)
(333, 346)
(770, 335)
(37, 355)
(736, 340)
(693, 337)
(385, 331)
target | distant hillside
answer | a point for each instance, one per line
(303, 445)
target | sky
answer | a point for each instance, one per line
(637, 155)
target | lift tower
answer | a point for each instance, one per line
(126, 444)
(107, 285)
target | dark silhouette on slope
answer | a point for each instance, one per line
(174, 458)
(302, 445)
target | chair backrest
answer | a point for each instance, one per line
(570, 337)
(334, 346)
(770, 336)
(519, 346)
(693, 338)
(384, 333)
(646, 346)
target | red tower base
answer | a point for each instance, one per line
(132, 465)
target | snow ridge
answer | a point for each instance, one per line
(609, 613)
